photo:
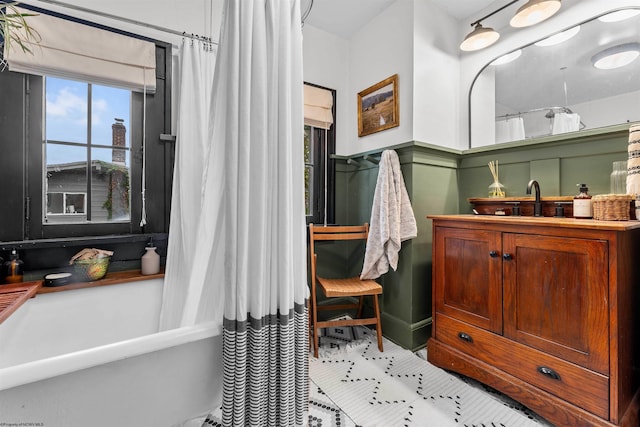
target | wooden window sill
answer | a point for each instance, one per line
(112, 278)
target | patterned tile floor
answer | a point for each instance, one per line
(323, 412)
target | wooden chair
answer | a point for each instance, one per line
(342, 287)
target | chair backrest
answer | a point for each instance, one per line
(333, 232)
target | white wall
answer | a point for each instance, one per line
(436, 92)
(603, 112)
(326, 63)
(380, 49)
(414, 39)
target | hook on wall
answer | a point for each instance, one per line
(352, 162)
(371, 159)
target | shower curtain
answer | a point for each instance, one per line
(195, 74)
(258, 116)
(246, 267)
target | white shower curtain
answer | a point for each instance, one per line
(196, 68)
(246, 266)
(258, 116)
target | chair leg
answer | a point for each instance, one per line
(360, 305)
(315, 341)
(313, 331)
(376, 307)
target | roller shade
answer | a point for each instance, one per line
(77, 51)
(317, 107)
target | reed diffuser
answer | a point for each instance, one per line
(496, 189)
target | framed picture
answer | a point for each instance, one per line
(378, 107)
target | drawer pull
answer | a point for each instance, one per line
(465, 337)
(493, 254)
(548, 372)
(507, 257)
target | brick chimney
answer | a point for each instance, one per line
(118, 133)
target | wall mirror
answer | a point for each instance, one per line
(583, 78)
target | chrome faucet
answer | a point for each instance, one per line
(537, 207)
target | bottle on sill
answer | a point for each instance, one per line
(582, 207)
(13, 269)
(150, 262)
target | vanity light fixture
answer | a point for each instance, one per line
(479, 38)
(509, 57)
(534, 12)
(482, 37)
(559, 38)
(530, 13)
(616, 56)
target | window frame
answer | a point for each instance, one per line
(318, 161)
(21, 171)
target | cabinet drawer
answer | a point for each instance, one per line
(580, 386)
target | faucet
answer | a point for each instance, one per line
(537, 207)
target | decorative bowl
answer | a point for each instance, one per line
(88, 270)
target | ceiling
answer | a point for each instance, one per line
(344, 18)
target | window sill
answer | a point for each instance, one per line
(112, 278)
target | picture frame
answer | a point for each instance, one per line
(378, 107)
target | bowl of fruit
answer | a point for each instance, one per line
(90, 264)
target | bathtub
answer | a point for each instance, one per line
(94, 357)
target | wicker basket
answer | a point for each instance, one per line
(612, 207)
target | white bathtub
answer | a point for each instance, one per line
(93, 357)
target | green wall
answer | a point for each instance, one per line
(439, 181)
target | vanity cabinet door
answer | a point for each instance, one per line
(556, 297)
(468, 276)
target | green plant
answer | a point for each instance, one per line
(14, 27)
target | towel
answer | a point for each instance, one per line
(633, 164)
(392, 220)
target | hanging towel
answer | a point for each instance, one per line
(633, 164)
(565, 122)
(392, 220)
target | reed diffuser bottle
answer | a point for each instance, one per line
(496, 189)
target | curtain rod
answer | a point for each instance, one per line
(128, 20)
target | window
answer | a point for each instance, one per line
(319, 145)
(86, 152)
(66, 204)
(67, 175)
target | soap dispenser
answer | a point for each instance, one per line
(150, 262)
(12, 269)
(582, 203)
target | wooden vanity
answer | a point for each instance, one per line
(544, 310)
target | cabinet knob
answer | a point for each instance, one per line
(493, 254)
(548, 372)
(507, 257)
(465, 337)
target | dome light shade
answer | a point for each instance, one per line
(616, 56)
(559, 38)
(534, 11)
(619, 15)
(479, 38)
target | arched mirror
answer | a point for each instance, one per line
(586, 77)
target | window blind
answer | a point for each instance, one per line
(77, 51)
(317, 107)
